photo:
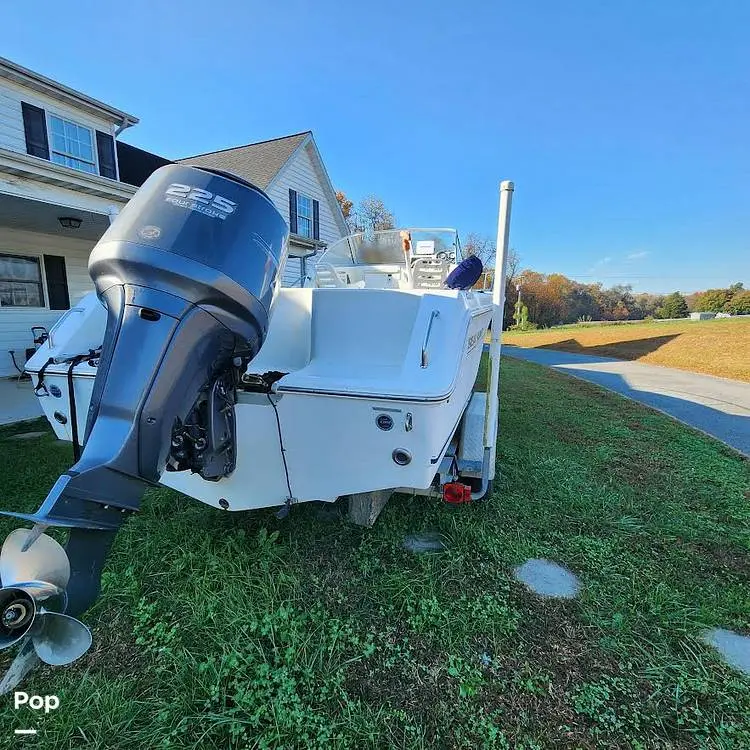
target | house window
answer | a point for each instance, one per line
(71, 145)
(304, 216)
(20, 281)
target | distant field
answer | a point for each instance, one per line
(716, 347)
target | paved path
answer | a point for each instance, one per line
(718, 406)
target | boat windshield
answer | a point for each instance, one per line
(388, 247)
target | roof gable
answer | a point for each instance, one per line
(257, 162)
(56, 90)
(322, 176)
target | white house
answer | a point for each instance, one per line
(63, 174)
(291, 171)
(58, 186)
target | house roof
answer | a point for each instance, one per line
(257, 162)
(36, 81)
(136, 165)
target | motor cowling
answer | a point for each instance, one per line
(188, 272)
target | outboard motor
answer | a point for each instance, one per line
(188, 272)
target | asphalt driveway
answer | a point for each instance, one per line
(717, 406)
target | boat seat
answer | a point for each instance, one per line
(358, 339)
(327, 278)
(364, 342)
(287, 344)
(429, 273)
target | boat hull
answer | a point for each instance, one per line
(316, 437)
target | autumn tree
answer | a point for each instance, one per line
(534, 295)
(484, 249)
(345, 203)
(739, 304)
(513, 264)
(616, 302)
(646, 305)
(620, 311)
(481, 246)
(581, 303)
(371, 215)
(692, 300)
(553, 299)
(712, 300)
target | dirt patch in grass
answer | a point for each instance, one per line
(714, 347)
(527, 687)
(733, 559)
(569, 434)
(646, 469)
(114, 643)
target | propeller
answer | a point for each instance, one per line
(34, 572)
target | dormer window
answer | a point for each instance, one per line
(72, 145)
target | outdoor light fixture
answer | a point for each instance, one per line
(69, 222)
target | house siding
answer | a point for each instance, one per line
(301, 175)
(292, 272)
(11, 117)
(16, 322)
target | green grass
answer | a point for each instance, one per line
(220, 630)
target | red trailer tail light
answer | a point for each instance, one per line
(455, 492)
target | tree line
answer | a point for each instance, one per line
(554, 299)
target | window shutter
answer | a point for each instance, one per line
(35, 129)
(292, 211)
(316, 220)
(57, 282)
(105, 148)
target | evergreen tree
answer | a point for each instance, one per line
(674, 306)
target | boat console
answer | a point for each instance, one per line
(390, 259)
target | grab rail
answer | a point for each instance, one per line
(425, 359)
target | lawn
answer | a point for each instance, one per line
(715, 347)
(221, 630)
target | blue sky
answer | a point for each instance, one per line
(625, 125)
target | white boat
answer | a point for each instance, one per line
(206, 376)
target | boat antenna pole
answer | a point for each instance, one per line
(498, 301)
